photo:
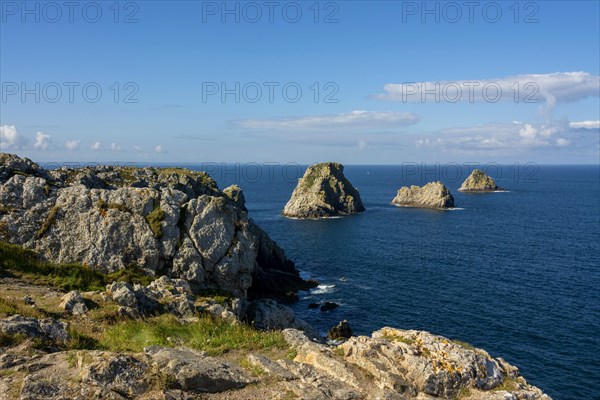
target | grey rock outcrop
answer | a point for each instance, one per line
(266, 314)
(170, 221)
(194, 371)
(161, 295)
(118, 373)
(341, 331)
(478, 181)
(46, 329)
(236, 194)
(74, 303)
(323, 192)
(432, 195)
(400, 364)
(391, 364)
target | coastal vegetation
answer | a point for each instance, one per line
(26, 264)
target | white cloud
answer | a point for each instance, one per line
(362, 145)
(72, 145)
(96, 146)
(585, 125)
(115, 147)
(159, 149)
(137, 149)
(42, 141)
(549, 89)
(507, 137)
(355, 120)
(10, 139)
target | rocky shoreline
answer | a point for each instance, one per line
(149, 283)
(41, 358)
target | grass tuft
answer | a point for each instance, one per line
(212, 335)
(48, 222)
(63, 276)
(155, 219)
(464, 345)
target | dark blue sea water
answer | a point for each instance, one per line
(516, 273)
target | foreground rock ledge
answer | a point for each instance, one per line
(432, 195)
(478, 181)
(391, 364)
(164, 221)
(323, 192)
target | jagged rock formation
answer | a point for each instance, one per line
(45, 329)
(399, 364)
(391, 364)
(74, 303)
(161, 220)
(432, 195)
(236, 194)
(323, 192)
(341, 331)
(478, 181)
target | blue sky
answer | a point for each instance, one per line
(169, 61)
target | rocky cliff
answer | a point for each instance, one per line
(391, 364)
(167, 339)
(164, 221)
(478, 181)
(323, 192)
(431, 195)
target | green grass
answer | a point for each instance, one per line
(255, 370)
(464, 345)
(12, 307)
(398, 338)
(78, 341)
(508, 384)
(7, 340)
(48, 222)
(127, 175)
(104, 206)
(63, 276)
(218, 296)
(204, 178)
(212, 335)
(155, 219)
(291, 354)
(308, 181)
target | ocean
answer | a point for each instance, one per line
(515, 272)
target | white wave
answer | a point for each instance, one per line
(323, 289)
(456, 209)
(314, 219)
(501, 191)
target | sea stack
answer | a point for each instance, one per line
(478, 181)
(432, 195)
(323, 192)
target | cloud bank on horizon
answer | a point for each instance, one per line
(364, 129)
